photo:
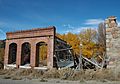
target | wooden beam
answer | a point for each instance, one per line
(58, 50)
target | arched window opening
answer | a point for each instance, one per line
(12, 53)
(41, 54)
(25, 55)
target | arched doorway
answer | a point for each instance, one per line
(25, 53)
(12, 53)
(41, 54)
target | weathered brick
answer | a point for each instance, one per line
(33, 37)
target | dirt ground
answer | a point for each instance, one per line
(55, 81)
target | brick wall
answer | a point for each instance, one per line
(33, 37)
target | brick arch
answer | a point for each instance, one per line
(33, 36)
(45, 39)
(12, 43)
(22, 42)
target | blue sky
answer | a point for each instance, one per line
(66, 15)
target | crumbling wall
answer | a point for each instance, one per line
(112, 41)
(32, 37)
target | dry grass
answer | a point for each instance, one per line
(65, 74)
(7, 77)
(43, 80)
(53, 73)
(16, 78)
(2, 71)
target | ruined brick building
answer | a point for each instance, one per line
(23, 49)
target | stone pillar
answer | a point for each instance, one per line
(6, 53)
(112, 45)
(50, 52)
(33, 55)
(18, 56)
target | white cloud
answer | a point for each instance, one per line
(79, 29)
(93, 21)
(68, 26)
(118, 23)
(89, 23)
(2, 34)
(1, 31)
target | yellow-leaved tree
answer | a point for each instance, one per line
(71, 39)
(88, 41)
(86, 37)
